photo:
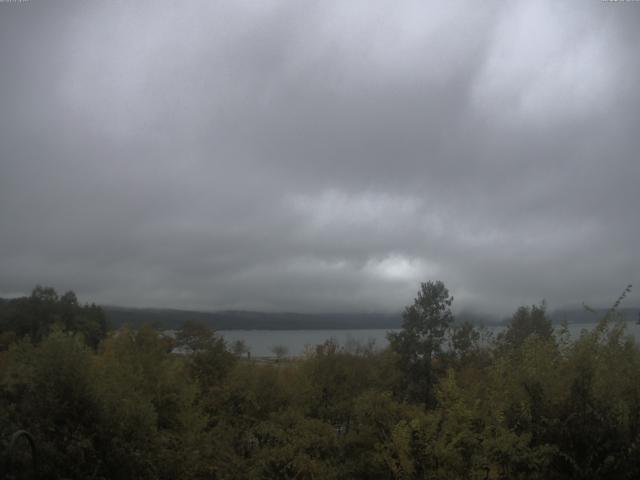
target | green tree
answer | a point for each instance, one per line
(207, 356)
(47, 390)
(150, 424)
(336, 379)
(35, 316)
(424, 328)
(527, 321)
(464, 341)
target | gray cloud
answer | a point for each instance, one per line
(319, 157)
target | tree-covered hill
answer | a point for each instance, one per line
(246, 320)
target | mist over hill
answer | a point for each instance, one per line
(250, 320)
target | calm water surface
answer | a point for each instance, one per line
(261, 342)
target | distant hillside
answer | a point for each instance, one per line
(244, 320)
(581, 315)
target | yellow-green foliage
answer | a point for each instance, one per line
(533, 406)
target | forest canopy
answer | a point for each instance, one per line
(443, 401)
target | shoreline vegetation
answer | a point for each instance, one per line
(109, 403)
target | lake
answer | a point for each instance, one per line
(261, 342)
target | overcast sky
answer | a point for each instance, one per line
(320, 156)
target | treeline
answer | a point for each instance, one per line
(439, 403)
(35, 316)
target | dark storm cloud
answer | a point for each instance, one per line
(321, 156)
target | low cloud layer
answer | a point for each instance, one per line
(320, 156)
